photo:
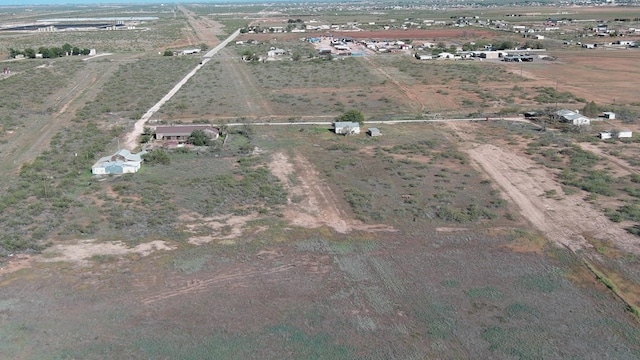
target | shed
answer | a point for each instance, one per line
(625, 134)
(609, 115)
(605, 135)
(374, 132)
(346, 127)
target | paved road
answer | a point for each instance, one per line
(130, 140)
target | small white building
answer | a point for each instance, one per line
(625, 134)
(446, 55)
(609, 115)
(346, 127)
(276, 52)
(605, 135)
(374, 132)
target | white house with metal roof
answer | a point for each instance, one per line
(573, 117)
(122, 162)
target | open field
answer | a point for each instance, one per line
(306, 290)
(483, 239)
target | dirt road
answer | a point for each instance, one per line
(567, 220)
(312, 203)
(35, 137)
(206, 30)
(131, 139)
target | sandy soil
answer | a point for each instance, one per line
(223, 228)
(83, 250)
(316, 205)
(567, 220)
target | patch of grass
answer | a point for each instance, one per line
(468, 214)
(521, 343)
(521, 311)
(439, 320)
(544, 283)
(486, 293)
(450, 283)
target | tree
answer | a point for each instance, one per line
(198, 138)
(29, 53)
(352, 116)
(75, 51)
(167, 53)
(628, 116)
(591, 109)
(204, 47)
(86, 51)
(56, 52)
(45, 52)
(157, 157)
(13, 52)
(67, 49)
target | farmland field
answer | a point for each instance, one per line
(506, 238)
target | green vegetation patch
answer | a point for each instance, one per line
(544, 283)
(486, 293)
(522, 343)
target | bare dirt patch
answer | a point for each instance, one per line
(222, 228)
(83, 250)
(566, 221)
(15, 263)
(312, 203)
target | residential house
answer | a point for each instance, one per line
(572, 117)
(122, 162)
(181, 133)
(273, 52)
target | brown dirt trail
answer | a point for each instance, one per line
(567, 220)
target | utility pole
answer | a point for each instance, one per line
(556, 95)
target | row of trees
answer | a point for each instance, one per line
(51, 52)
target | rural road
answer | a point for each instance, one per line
(372, 122)
(130, 140)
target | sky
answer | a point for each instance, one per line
(93, 2)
